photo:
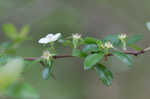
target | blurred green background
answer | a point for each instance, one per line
(95, 18)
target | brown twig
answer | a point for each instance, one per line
(135, 53)
(55, 57)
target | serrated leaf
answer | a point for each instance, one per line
(10, 31)
(46, 73)
(92, 59)
(123, 57)
(21, 90)
(90, 48)
(104, 74)
(133, 39)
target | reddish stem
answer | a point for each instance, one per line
(135, 53)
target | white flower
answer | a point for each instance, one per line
(49, 38)
(46, 55)
(76, 36)
(108, 45)
(122, 36)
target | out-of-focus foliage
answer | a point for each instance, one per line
(11, 67)
(10, 79)
(22, 90)
(10, 72)
(17, 36)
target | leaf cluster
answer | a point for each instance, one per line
(93, 51)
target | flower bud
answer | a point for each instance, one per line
(76, 36)
(108, 45)
(122, 36)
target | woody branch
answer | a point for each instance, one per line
(135, 53)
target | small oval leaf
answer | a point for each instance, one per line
(90, 48)
(123, 57)
(46, 73)
(104, 74)
(92, 59)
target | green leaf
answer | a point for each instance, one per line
(90, 40)
(24, 32)
(10, 73)
(75, 43)
(8, 48)
(21, 90)
(92, 59)
(135, 47)
(123, 57)
(76, 52)
(99, 45)
(10, 31)
(6, 45)
(65, 42)
(113, 38)
(104, 74)
(134, 39)
(3, 59)
(90, 48)
(46, 73)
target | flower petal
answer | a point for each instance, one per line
(56, 36)
(49, 35)
(44, 40)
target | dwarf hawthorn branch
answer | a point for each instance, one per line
(55, 57)
(135, 53)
